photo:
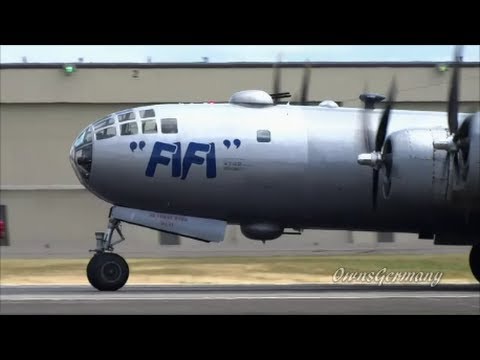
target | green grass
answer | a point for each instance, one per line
(453, 266)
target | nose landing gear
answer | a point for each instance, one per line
(107, 271)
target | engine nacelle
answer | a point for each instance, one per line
(429, 185)
(414, 177)
(470, 179)
(262, 231)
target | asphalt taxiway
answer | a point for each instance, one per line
(242, 299)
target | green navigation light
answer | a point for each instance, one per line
(69, 69)
(442, 68)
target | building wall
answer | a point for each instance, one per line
(36, 140)
(117, 85)
(63, 223)
(42, 111)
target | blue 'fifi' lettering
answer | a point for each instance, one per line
(191, 157)
(157, 158)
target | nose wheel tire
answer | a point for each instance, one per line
(475, 261)
(107, 271)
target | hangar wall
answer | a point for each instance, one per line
(152, 83)
(42, 110)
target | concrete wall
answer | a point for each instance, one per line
(42, 110)
(35, 140)
(63, 223)
(153, 85)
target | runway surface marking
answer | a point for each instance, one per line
(99, 297)
(242, 299)
(232, 292)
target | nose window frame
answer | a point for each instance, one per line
(147, 113)
(106, 121)
(126, 116)
(106, 133)
(145, 126)
(127, 128)
(83, 153)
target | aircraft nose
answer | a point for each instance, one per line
(81, 155)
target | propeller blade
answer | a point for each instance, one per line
(462, 165)
(383, 125)
(366, 124)
(461, 137)
(456, 166)
(305, 84)
(276, 78)
(375, 188)
(453, 95)
(281, 95)
(387, 179)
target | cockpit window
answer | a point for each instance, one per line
(83, 158)
(88, 136)
(84, 138)
(130, 128)
(103, 122)
(130, 115)
(79, 139)
(147, 113)
(106, 133)
(149, 126)
(169, 126)
(82, 153)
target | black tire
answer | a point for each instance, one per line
(107, 272)
(475, 261)
(91, 270)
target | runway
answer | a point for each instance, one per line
(242, 299)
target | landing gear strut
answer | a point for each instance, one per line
(475, 261)
(107, 271)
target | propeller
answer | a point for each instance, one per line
(453, 96)
(369, 99)
(382, 126)
(376, 158)
(366, 120)
(380, 139)
(277, 94)
(458, 142)
(276, 79)
(305, 84)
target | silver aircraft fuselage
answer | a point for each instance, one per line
(220, 165)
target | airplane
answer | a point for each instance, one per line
(274, 168)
